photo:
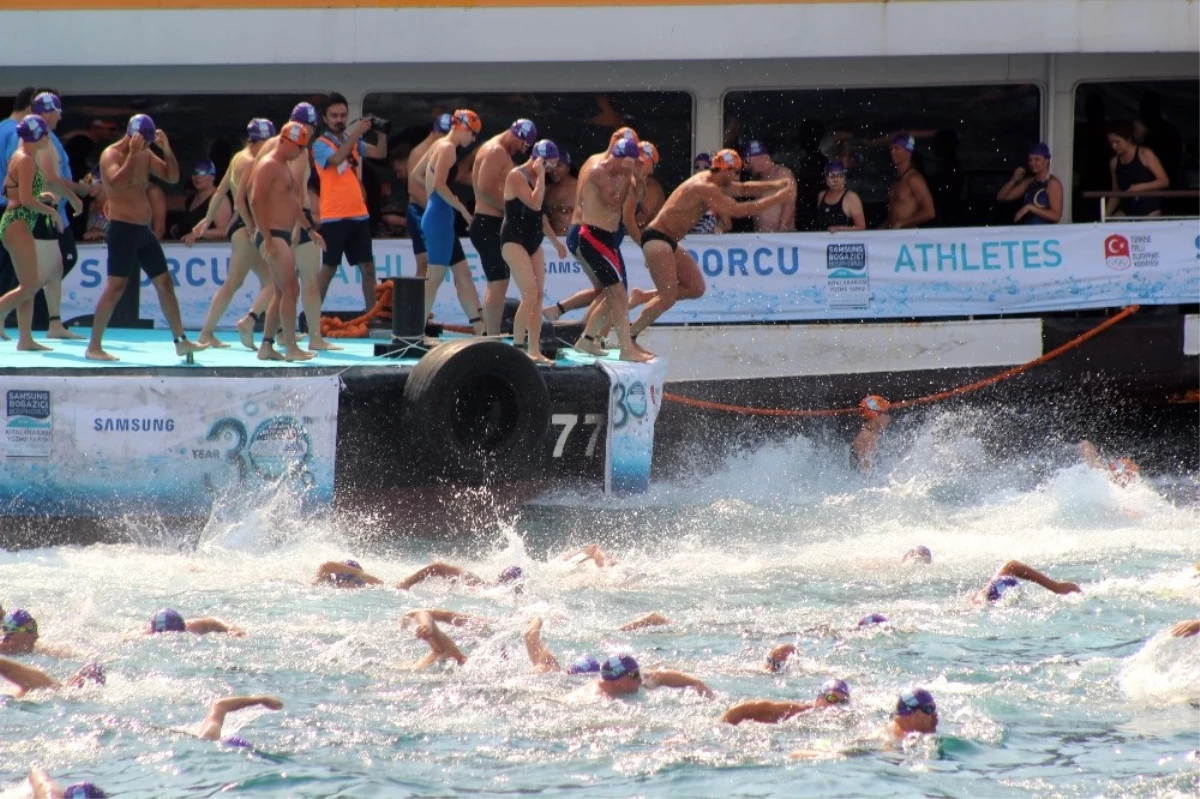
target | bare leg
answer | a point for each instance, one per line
(434, 277)
(266, 350)
(366, 272)
(661, 264)
(308, 259)
(493, 305)
(527, 325)
(21, 247)
(596, 318)
(165, 288)
(534, 321)
(327, 273)
(114, 289)
(279, 257)
(258, 310)
(210, 729)
(619, 314)
(422, 265)
(50, 275)
(241, 259)
(468, 297)
(580, 299)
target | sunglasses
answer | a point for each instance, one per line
(835, 698)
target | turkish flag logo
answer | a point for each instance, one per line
(1116, 252)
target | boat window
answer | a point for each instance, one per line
(1166, 118)
(969, 139)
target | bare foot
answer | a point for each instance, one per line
(98, 354)
(267, 353)
(294, 353)
(211, 341)
(639, 296)
(637, 357)
(642, 349)
(185, 346)
(551, 313)
(591, 347)
(539, 358)
(245, 329)
(300, 336)
(32, 346)
(60, 331)
(323, 345)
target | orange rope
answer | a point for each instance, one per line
(941, 395)
(332, 327)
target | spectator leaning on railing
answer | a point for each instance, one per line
(1135, 169)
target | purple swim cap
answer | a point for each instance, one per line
(626, 148)
(92, 671)
(305, 113)
(998, 586)
(617, 667)
(835, 686)
(874, 618)
(167, 620)
(46, 103)
(913, 699)
(260, 129)
(905, 141)
(835, 167)
(83, 790)
(237, 742)
(1042, 149)
(525, 130)
(143, 124)
(32, 129)
(205, 167)
(755, 147)
(921, 553)
(546, 150)
(511, 573)
(442, 123)
(702, 158)
(585, 664)
(19, 621)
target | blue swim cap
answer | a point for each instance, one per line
(167, 620)
(205, 167)
(46, 103)
(349, 579)
(618, 666)
(546, 150)
(19, 621)
(586, 664)
(1042, 149)
(525, 130)
(32, 129)
(260, 129)
(913, 699)
(511, 573)
(874, 618)
(305, 113)
(755, 147)
(998, 586)
(626, 148)
(143, 124)
(835, 686)
(83, 790)
(237, 742)
(442, 123)
(92, 671)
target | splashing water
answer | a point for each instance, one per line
(1074, 695)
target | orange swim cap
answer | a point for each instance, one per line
(622, 133)
(873, 406)
(296, 133)
(650, 152)
(727, 159)
(466, 118)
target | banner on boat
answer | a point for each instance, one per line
(784, 277)
(101, 446)
(634, 398)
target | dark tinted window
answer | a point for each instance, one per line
(1166, 116)
(969, 140)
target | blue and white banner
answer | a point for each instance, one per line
(634, 399)
(108, 446)
(785, 277)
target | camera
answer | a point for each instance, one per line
(380, 124)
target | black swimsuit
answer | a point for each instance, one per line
(833, 214)
(522, 225)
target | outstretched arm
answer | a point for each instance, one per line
(649, 620)
(209, 624)
(594, 553)
(210, 730)
(1186, 629)
(723, 205)
(443, 570)
(541, 657)
(669, 678)
(1015, 568)
(763, 711)
(440, 645)
(44, 786)
(329, 568)
(447, 617)
(26, 678)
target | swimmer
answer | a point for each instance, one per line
(44, 787)
(777, 658)
(675, 273)
(1009, 576)
(210, 728)
(440, 646)
(127, 167)
(168, 620)
(874, 410)
(455, 574)
(620, 675)
(447, 617)
(1186, 629)
(20, 633)
(489, 176)
(760, 164)
(243, 257)
(1121, 471)
(591, 552)
(916, 713)
(543, 660)
(444, 250)
(276, 210)
(649, 620)
(918, 554)
(418, 198)
(347, 574)
(872, 619)
(833, 692)
(30, 678)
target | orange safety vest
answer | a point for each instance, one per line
(341, 189)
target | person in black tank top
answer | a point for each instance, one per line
(1040, 193)
(1135, 169)
(838, 208)
(521, 235)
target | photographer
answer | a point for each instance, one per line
(345, 224)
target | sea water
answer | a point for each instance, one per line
(1042, 695)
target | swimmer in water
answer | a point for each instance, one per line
(210, 728)
(777, 658)
(874, 411)
(918, 554)
(1186, 629)
(833, 692)
(1010, 575)
(1121, 471)
(346, 574)
(512, 574)
(169, 620)
(30, 678)
(591, 552)
(44, 787)
(916, 713)
(440, 646)
(20, 633)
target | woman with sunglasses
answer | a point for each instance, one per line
(765, 711)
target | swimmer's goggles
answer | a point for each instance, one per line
(29, 627)
(834, 698)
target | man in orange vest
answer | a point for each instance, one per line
(345, 223)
